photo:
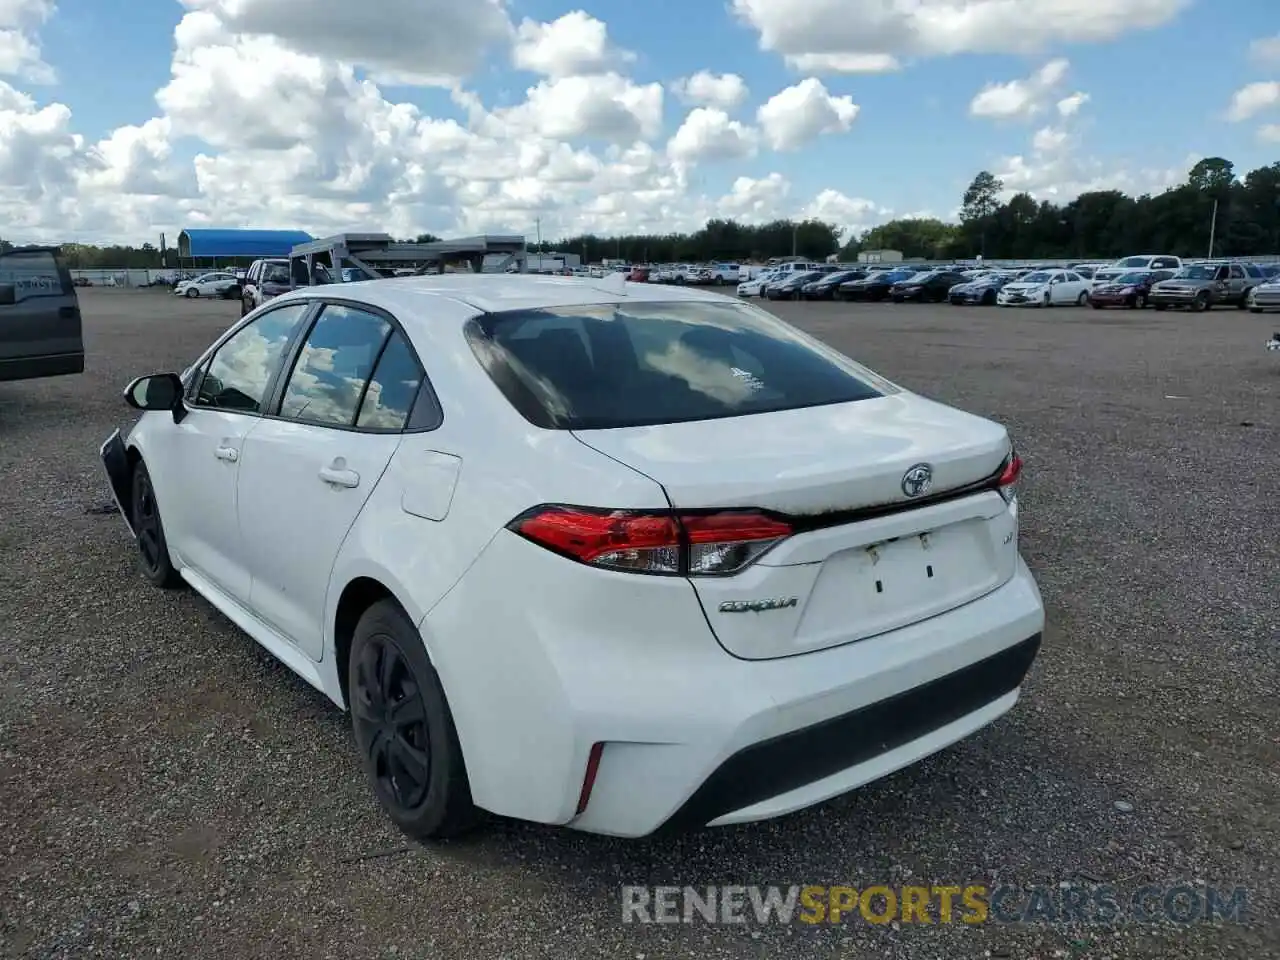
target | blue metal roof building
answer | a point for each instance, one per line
(197, 244)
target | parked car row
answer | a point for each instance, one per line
(1198, 286)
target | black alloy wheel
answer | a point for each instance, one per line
(404, 729)
(153, 550)
(391, 724)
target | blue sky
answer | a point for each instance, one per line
(1157, 95)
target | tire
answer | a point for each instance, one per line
(438, 804)
(1083, 299)
(1244, 301)
(1201, 302)
(191, 293)
(1048, 301)
(1096, 306)
(989, 298)
(1161, 306)
(154, 562)
(1140, 301)
(1255, 309)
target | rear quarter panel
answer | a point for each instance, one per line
(448, 492)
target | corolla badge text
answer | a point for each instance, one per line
(758, 606)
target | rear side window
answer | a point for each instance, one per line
(392, 388)
(633, 364)
(35, 273)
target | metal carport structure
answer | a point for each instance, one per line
(378, 254)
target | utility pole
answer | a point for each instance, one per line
(1213, 228)
(538, 225)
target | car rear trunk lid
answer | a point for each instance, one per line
(865, 558)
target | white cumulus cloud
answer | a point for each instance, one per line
(706, 89)
(1019, 99)
(803, 112)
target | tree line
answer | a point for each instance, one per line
(1236, 216)
(1214, 213)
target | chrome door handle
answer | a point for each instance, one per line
(230, 454)
(339, 478)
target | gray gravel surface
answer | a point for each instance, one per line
(168, 789)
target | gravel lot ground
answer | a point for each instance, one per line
(166, 788)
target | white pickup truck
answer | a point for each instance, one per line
(726, 274)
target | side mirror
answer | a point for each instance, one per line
(8, 294)
(160, 391)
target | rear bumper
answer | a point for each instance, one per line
(692, 735)
(795, 769)
(35, 368)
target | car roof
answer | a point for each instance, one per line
(422, 299)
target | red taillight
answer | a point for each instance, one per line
(623, 539)
(727, 542)
(1012, 470)
(1008, 479)
(653, 542)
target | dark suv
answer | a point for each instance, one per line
(40, 333)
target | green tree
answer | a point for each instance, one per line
(913, 237)
(979, 207)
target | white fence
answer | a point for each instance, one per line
(109, 277)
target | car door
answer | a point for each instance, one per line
(309, 468)
(1236, 282)
(249, 289)
(195, 463)
(40, 332)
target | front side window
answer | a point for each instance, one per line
(636, 364)
(329, 378)
(240, 372)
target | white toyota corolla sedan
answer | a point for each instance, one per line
(614, 556)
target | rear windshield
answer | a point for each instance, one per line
(635, 364)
